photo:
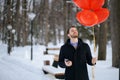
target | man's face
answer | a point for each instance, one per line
(73, 33)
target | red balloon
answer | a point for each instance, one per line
(96, 4)
(102, 14)
(84, 4)
(87, 18)
(92, 12)
(78, 15)
(89, 4)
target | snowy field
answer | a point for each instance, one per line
(18, 65)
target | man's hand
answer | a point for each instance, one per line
(68, 63)
(94, 60)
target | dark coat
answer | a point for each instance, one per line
(79, 58)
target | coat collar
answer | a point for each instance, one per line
(79, 42)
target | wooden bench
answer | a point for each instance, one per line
(51, 49)
(57, 72)
(53, 69)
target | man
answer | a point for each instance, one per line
(74, 55)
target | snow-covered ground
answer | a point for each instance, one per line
(18, 65)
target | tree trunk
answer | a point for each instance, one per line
(4, 23)
(103, 38)
(102, 41)
(46, 22)
(24, 21)
(54, 35)
(65, 21)
(59, 35)
(9, 22)
(17, 23)
(13, 23)
(41, 16)
(115, 31)
(68, 15)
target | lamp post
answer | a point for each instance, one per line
(9, 27)
(31, 16)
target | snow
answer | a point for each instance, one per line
(18, 65)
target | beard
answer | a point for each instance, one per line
(74, 36)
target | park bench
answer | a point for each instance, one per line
(51, 49)
(53, 68)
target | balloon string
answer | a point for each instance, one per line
(94, 41)
(93, 67)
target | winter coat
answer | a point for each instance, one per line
(79, 58)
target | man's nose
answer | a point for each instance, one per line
(75, 31)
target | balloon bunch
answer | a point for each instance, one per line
(91, 12)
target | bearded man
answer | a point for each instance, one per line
(74, 57)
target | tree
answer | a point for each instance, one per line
(41, 21)
(9, 22)
(24, 26)
(3, 20)
(115, 31)
(102, 41)
(65, 17)
(69, 16)
(17, 22)
(56, 19)
(102, 38)
(46, 21)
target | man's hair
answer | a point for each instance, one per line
(70, 28)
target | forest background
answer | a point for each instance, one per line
(31, 22)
